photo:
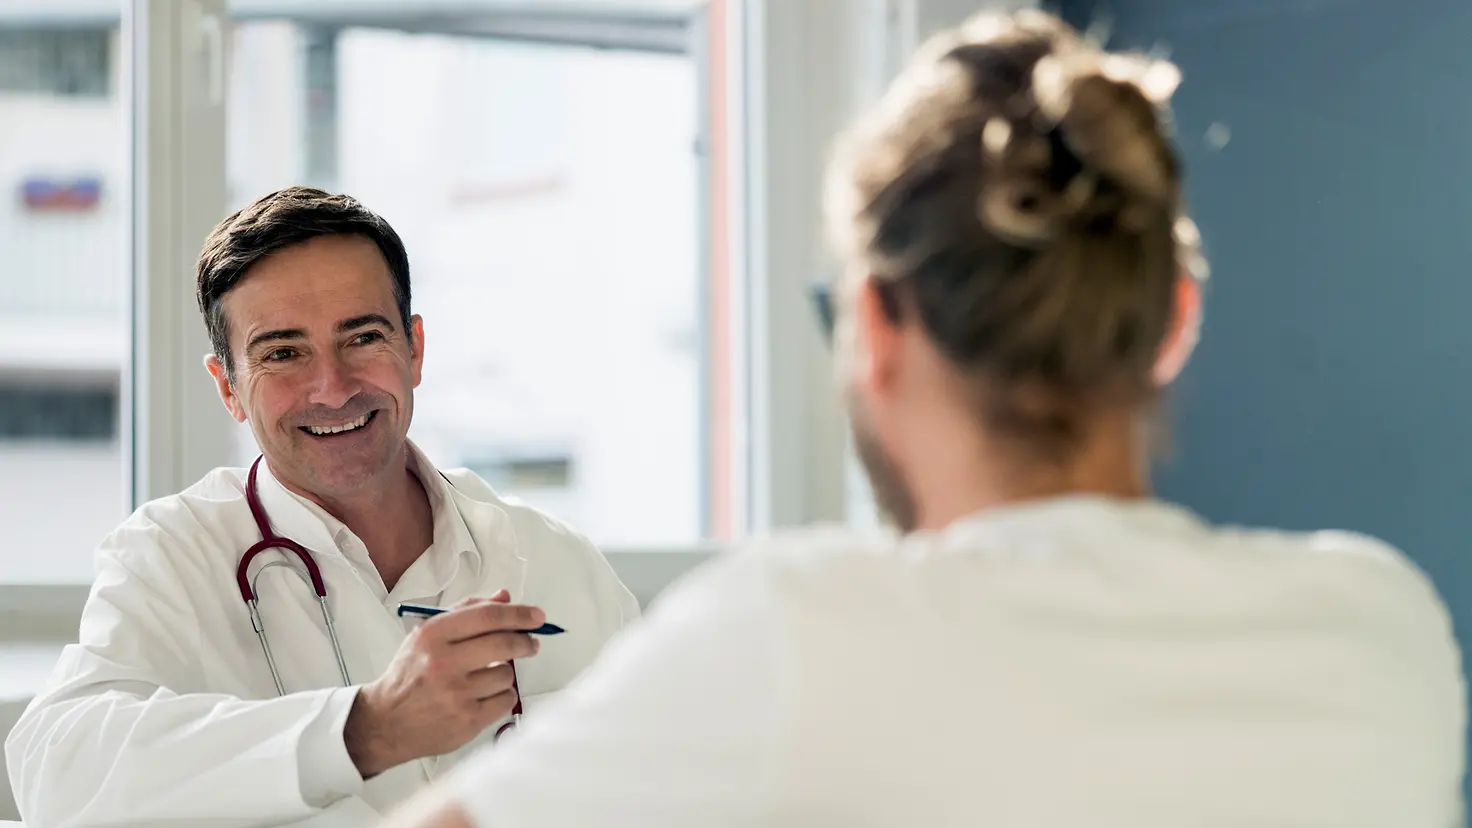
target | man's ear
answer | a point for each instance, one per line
(1185, 329)
(232, 401)
(416, 348)
(878, 340)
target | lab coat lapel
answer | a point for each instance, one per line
(499, 560)
(500, 565)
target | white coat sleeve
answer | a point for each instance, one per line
(683, 721)
(118, 734)
(616, 602)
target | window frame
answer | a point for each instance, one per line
(785, 88)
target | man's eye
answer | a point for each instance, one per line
(280, 354)
(366, 337)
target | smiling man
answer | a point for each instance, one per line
(181, 704)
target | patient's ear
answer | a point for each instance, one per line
(216, 367)
(1185, 329)
(877, 341)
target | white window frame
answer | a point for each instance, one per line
(179, 429)
(173, 427)
(790, 86)
(805, 86)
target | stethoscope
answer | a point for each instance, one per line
(313, 577)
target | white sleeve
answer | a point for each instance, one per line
(327, 772)
(616, 602)
(112, 736)
(613, 601)
(681, 722)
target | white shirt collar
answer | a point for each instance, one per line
(294, 516)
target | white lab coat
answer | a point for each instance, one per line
(165, 711)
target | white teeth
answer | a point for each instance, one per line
(325, 430)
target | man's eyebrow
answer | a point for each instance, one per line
(364, 321)
(268, 336)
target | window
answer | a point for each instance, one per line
(33, 412)
(64, 219)
(549, 196)
(611, 215)
(57, 63)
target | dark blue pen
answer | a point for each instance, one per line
(429, 612)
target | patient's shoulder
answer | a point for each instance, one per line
(821, 546)
(1332, 554)
(802, 564)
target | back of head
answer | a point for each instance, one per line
(1016, 193)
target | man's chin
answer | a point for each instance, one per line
(343, 469)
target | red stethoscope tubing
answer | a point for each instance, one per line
(270, 540)
(515, 709)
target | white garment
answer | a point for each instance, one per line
(1078, 662)
(166, 713)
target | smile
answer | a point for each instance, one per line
(324, 431)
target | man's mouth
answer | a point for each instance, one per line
(342, 428)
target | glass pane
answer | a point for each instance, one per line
(64, 220)
(550, 200)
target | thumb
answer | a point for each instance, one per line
(502, 597)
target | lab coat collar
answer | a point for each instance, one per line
(477, 527)
(451, 532)
(498, 558)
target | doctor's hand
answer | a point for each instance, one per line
(449, 681)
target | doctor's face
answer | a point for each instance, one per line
(324, 369)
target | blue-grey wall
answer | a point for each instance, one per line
(1333, 384)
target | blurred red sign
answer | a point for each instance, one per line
(61, 195)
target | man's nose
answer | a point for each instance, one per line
(333, 382)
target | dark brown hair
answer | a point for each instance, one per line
(280, 220)
(1017, 193)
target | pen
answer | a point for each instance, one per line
(429, 612)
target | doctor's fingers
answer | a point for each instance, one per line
(491, 648)
(489, 682)
(481, 618)
(501, 597)
(492, 708)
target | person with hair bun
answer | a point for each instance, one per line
(1040, 642)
